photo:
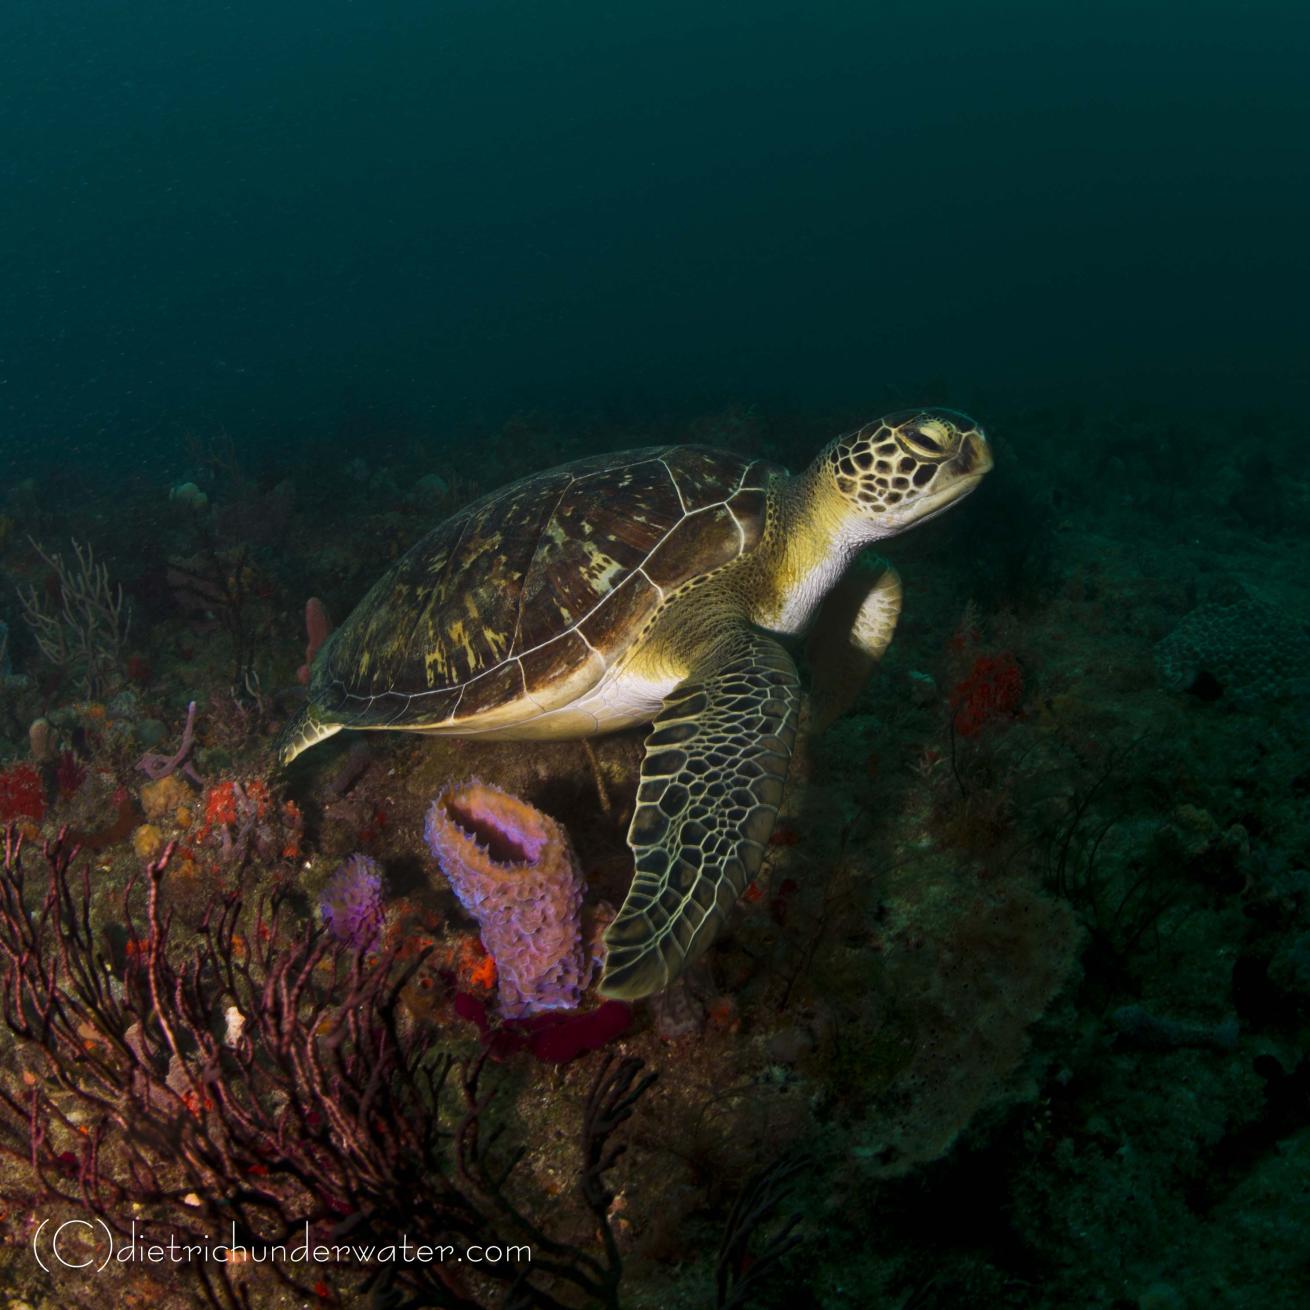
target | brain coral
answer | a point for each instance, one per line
(1248, 651)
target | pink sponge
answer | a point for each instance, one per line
(514, 870)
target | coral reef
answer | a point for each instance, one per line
(1247, 651)
(242, 821)
(269, 1095)
(552, 1037)
(1136, 1024)
(1026, 969)
(22, 794)
(514, 870)
(81, 620)
(351, 903)
(318, 627)
(156, 766)
(992, 690)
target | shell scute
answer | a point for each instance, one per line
(602, 527)
(704, 476)
(750, 508)
(703, 540)
(548, 665)
(625, 609)
(496, 686)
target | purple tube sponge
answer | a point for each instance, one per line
(351, 903)
(514, 870)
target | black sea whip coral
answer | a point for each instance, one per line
(256, 1077)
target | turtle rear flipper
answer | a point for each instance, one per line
(711, 784)
(305, 729)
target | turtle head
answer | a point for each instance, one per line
(905, 468)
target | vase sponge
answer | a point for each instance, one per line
(514, 870)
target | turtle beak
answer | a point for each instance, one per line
(974, 459)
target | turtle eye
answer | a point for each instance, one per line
(928, 440)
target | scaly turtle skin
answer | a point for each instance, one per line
(652, 586)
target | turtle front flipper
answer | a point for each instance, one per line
(711, 783)
(305, 729)
(853, 629)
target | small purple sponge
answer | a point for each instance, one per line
(513, 869)
(351, 904)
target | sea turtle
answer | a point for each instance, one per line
(652, 585)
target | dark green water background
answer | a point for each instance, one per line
(257, 215)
